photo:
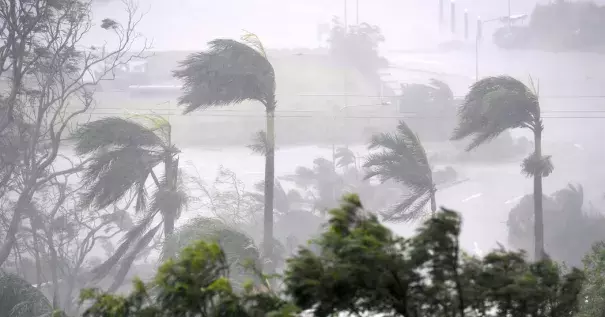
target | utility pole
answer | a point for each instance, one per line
(477, 40)
(465, 24)
(345, 12)
(509, 22)
(441, 17)
(453, 16)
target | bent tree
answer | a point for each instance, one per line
(48, 86)
(231, 72)
(123, 154)
(403, 159)
(497, 104)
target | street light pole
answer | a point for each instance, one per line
(509, 22)
(477, 39)
(441, 18)
(453, 16)
(345, 12)
(357, 12)
(466, 24)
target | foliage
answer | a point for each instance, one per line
(404, 160)
(50, 81)
(228, 73)
(570, 229)
(193, 284)
(592, 297)
(240, 249)
(123, 156)
(357, 45)
(18, 298)
(494, 105)
(497, 104)
(320, 186)
(363, 267)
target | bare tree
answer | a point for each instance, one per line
(51, 82)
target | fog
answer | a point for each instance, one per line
(323, 105)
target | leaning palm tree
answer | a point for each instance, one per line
(495, 105)
(403, 159)
(231, 72)
(123, 156)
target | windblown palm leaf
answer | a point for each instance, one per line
(494, 105)
(344, 157)
(229, 72)
(260, 143)
(124, 154)
(18, 298)
(403, 159)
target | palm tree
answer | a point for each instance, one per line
(495, 105)
(403, 159)
(344, 157)
(123, 155)
(231, 72)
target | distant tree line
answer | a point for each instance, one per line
(559, 26)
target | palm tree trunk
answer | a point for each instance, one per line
(433, 204)
(538, 212)
(169, 215)
(269, 186)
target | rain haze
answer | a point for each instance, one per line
(143, 135)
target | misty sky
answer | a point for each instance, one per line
(189, 24)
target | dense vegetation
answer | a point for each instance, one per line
(72, 186)
(359, 267)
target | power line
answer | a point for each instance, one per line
(212, 111)
(398, 96)
(327, 116)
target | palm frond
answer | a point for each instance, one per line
(111, 132)
(493, 105)
(156, 123)
(129, 258)
(402, 159)
(110, 175)
(260, 143)
(571, 198)
(18, 298)
(344, 157)
(129, 239)
(253, 40)
(281, 199)
(411, 208)
(533, 165)
(170, 198)
(230, 72)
